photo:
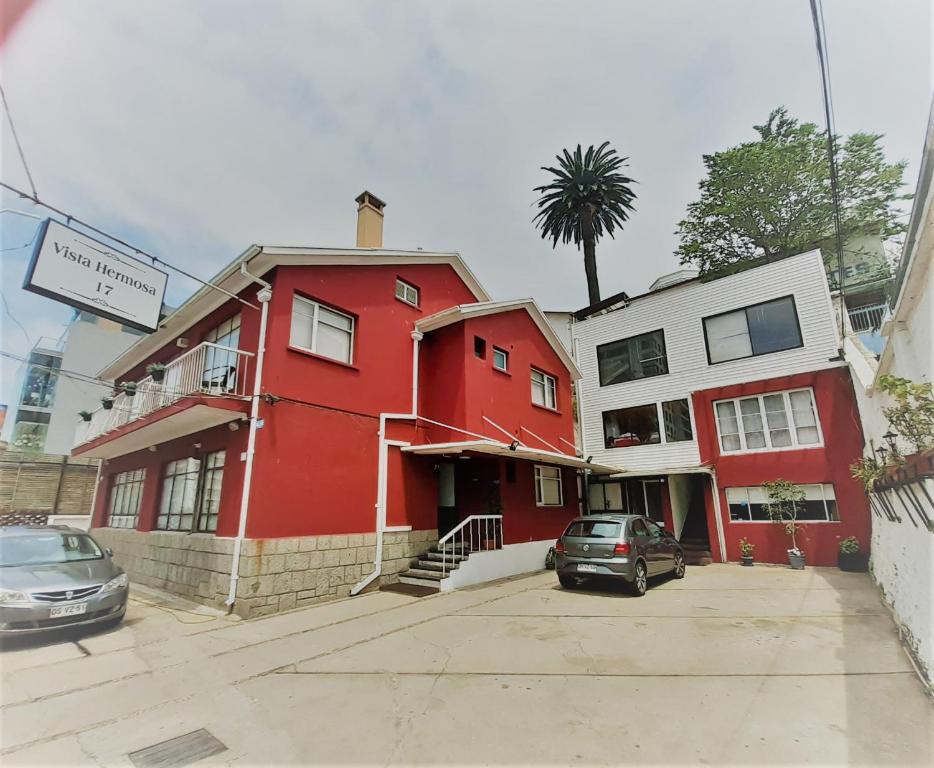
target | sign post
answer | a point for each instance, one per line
(78, 270)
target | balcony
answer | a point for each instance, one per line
(867, 319)
(202, 388)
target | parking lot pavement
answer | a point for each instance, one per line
(730, 665)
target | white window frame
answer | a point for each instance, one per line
(825, 496)
(315, 321)
(408, 293)
(789, 416)
(549, 385)
(660, 411)
(505, 366)
(126, 494)
(540, 481)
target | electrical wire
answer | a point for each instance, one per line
(19, 147)
(155, 259)
(6, 308)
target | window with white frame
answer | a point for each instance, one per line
(639, 424)
(638, 357)
(126, 492)
(544, 389)
(220, 362)
(191, 490)
(407, 292)
(768, 422)
(548, 489)
(500, 359)
(322, 330)
(759, 329)
(752, 504)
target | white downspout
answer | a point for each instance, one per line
(263, 296)
(382, 469)
(715, 489)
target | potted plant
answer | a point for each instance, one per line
(784, 501)
(156, 371)
(747, 550)
(128, 387)
(850, 557)
(107, 402)
(85, 415)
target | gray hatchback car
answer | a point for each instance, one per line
(56, 576)
(627, 547)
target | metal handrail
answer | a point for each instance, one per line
(474, 525)
(207, 369)
(867, 318)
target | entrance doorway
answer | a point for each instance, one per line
(467, 486)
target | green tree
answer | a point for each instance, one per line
(771, 198)
(587, 197)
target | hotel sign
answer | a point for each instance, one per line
(71, 267)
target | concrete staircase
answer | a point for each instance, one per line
(426, 571)
(696, 551)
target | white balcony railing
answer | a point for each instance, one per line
(475, 534)
(207, 369)
(868, 318)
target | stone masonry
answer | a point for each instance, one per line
(275, 574)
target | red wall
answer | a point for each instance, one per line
(522, 519)
(843, 444)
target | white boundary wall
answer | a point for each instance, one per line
(511, 560)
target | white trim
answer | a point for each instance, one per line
(316, 307)
(823, 497)
(791, 427)
(397, 528)
(495, 448)
(549, 384)
(540, 486)
(406, 288)
(660, 416)
(505, 367)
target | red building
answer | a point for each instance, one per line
(324, 429)
(704, 389)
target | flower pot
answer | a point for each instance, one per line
(796, 560)
(107, 404)
(158, 376)
(129, 392)
(747, 560)
(85, 416)
(854, 562)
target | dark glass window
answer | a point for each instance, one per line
(771, 326)
(594, 529)
(638, 357)
(677, 417)
(479, 347)
(631, 426)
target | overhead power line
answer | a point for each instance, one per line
(19, 147)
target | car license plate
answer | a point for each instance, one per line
(67, 610)
(586, 568)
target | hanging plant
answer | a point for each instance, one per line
(85, 415)
(868, 470)
(107, 403)
(156, 371)
(912, 416)
(128, 387)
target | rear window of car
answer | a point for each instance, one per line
(593, 529)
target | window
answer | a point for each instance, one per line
(321, 330)
(768, 422)
(548, 490)
(126, 492)
(500, 359)
(752, 504)
(638, 357)
(638, 528)
(756, 330)
(479, 347)
(191, 491)
(407, 293)
(606, 497)
(677, 417)
(544, 390)
(631, 426)
(220, 362)
(593, 529)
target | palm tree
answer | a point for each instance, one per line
(586, 198)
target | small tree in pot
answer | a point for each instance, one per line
(785, 499)
(156, 371)
(128, 387)
(747, 550)
(850, 557)
(85, 415)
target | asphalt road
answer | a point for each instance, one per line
(731, 666)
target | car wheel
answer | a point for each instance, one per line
(639, 580)
(679, 568)
(568, 582)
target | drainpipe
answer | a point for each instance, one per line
(382, 469)
(263, 296)
(715, 491)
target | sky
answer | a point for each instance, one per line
(197, 129)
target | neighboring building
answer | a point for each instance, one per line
(702, 390)
(397, 404)
(47, 411)
(903, 503)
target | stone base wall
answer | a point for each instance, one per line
(275, 574)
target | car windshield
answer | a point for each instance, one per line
(593, 529)
(47, 548)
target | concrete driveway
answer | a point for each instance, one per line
(729, 666)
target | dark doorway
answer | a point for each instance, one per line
(695, 523)
(467, 486)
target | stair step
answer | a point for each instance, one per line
(439, 557)
(421, 573)
(433, 565)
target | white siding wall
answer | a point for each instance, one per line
(679, 311)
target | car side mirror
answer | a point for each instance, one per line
(108, 551)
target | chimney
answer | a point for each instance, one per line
(369, 220)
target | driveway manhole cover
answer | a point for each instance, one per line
(178, 752)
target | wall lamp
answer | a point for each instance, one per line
(513, 445)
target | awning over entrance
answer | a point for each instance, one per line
(495, 448)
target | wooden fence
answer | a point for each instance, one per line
(37, 485)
